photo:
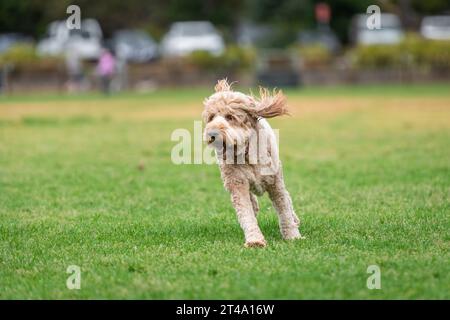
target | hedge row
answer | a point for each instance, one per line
(412, 52)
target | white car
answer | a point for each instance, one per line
(86, 41)
(184, 38)
(391, 31)
(436, 27)
(134, 46)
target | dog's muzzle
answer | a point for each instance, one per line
(212, 136)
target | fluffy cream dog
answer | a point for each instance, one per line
(247, 152)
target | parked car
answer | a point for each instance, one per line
(321, 36)
(7, 40)
(134, 46)
(86, 41)
(391, 31)
(436, 27)
(184, 38)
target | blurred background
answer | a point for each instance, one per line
(87, 123)
(143, 45)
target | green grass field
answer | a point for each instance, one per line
(88, 181)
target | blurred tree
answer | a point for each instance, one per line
(217, 11)
(412, 11)
(295, 15)
(33, 16)
(342, 12)
(223, 14)
(431, 6)
(287, 16)
(20, 16)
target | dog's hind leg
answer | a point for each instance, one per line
(255, 204)
(282, 203)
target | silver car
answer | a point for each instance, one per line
(184, 38)
(86, 42)
(391, 31)
(436, 27)
(134, 46)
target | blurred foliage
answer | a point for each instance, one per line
(19, 54)
(413, 51)
(24, 56)
(233, 58)
(291, 16)
(315, 56)
(22, 16)
(429, 6)
(33, 16)
(286, 16)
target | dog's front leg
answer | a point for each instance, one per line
(240, 196)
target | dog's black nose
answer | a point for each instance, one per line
(212, 136)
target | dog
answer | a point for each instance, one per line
(247, 153)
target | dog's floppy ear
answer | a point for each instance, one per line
(271, 105)
(222, 85)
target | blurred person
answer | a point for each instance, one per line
(74, 71)
(121, 81)
(2, 80)
(106, 69)
(4, 72)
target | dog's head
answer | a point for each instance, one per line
(231, 116)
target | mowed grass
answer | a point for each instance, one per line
(89, 181)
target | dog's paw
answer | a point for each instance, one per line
(255, 243)
(299, 237)
(292, 234)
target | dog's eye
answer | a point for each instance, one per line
(210, 117)
(229, 117)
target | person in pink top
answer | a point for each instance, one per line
(106, 68)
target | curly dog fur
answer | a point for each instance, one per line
(247, 153)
